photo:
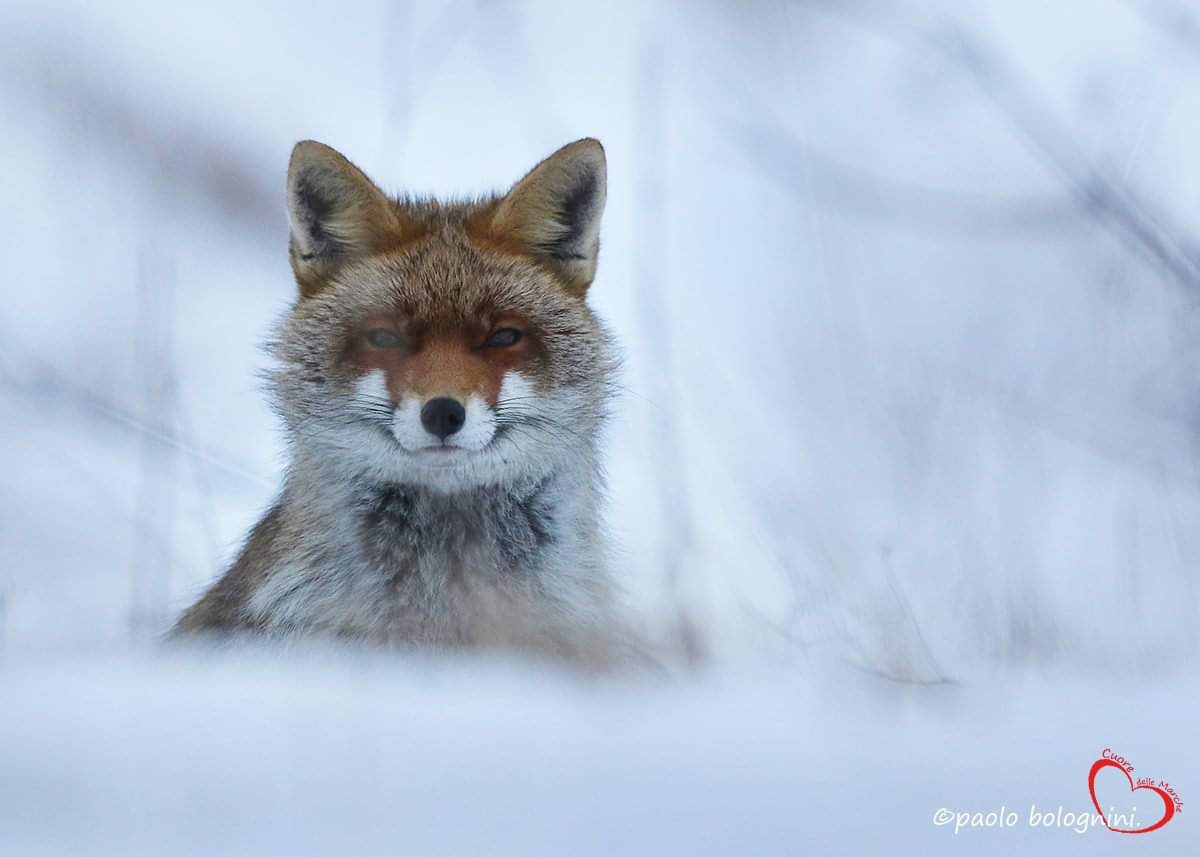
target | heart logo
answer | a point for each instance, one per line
(1168, 803)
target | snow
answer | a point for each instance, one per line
(907, 433)
(321, 753)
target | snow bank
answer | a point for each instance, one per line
(316, 753)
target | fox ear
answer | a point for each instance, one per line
(554, 212)
(336, 214)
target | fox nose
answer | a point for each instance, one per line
(443, 416)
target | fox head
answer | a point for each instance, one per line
(443, 344)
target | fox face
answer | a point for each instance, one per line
(447, 345)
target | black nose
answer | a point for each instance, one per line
(443, 416)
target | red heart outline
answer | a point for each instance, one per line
(1168, 803)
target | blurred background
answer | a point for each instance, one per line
(907, 444)
(906, 291)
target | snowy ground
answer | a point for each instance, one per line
(319, 755)
(887, 228)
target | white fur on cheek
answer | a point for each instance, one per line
(480, 427)
(406, 425)
(516, 387)
(371, 389)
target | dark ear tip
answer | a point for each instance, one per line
(309, 152)
(588, 148)
(306, 148)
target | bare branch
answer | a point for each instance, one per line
(1098, 191)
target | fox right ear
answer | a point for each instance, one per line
(336, 214)
(554, 213)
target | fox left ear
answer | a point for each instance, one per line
(554, 212)
(336, 214)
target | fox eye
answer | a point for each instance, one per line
(503, 338)
(382, 338)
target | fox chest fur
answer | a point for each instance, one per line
(402, 565)
(518, 565)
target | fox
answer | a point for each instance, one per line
(442, 383)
